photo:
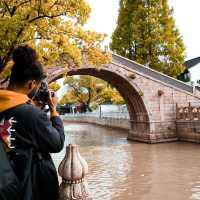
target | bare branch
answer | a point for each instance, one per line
(39, 8)
(7, 7)
(13, 10)
(44, 16)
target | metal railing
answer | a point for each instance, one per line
(100, 115)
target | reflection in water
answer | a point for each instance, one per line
(122, 170)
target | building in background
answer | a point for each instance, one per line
(191, 75)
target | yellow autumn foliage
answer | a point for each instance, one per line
(55, 28)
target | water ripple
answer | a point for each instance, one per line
(122, 170)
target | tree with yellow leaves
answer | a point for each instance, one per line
(54, 86)
(90, 90)
(146, 33)
(53, 27)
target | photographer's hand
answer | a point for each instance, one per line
(52, 103)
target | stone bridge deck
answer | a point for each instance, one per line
(117, 60)
(151, 73)
(151, 96)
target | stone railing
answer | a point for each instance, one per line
(188, 123)
(188, 113)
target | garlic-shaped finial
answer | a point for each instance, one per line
(73, 170)
(73, 167)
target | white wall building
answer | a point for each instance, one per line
(195, 73)
(191, 74)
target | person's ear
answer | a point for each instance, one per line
(31, 84)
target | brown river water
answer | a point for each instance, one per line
(124, 170)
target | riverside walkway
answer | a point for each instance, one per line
(108, 119)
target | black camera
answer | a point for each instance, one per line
(43, 93)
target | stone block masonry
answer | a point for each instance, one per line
(151, 98)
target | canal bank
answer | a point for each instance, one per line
(106, 122)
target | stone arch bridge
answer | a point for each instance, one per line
(151, 97)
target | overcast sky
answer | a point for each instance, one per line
(186, 13)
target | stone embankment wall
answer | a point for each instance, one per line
(107, 122)
(188, 131)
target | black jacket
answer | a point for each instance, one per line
(33, 136)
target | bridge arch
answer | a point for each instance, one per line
(139, 115)
(151, 96)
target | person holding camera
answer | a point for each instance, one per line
(27, 133)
